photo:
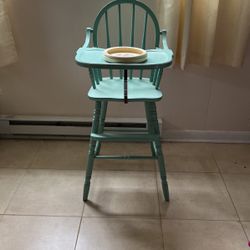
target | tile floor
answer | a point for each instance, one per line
(41, 189)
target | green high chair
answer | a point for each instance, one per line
(125, 82)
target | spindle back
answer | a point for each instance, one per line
(126, 23)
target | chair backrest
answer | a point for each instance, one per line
(126, 23)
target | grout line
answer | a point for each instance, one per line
(192, 172)
(248, 239)
(79, 228)
(215, 162)
(222, 177)
(42, 215)
(55, 169)
(134, 217)
(35, 155)
(124, 170)
(98, 170)
(158, 217)
(207, 220)
(159, 203)
(20, 181)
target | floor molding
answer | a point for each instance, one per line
(46, 127)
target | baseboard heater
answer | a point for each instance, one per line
(37, 126)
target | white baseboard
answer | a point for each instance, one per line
(207, 136)
(79, 127)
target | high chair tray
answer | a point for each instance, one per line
(94, 57)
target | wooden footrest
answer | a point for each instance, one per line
(124, 137)
(125, 157)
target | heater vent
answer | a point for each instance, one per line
(64, 126)
(78, 124)
(50, 123)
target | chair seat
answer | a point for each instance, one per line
(113, 89)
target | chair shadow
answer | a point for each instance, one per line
(100, 210)
(140, 231)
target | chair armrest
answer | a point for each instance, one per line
(88, 34)
(164, 41)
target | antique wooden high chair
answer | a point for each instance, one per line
(126, 82)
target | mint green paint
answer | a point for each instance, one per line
(140, 89)
(120, 31)
(134, 3)
(93, 57)
(132, 41)
(112, 89)
(144, 36)
(91, 154)
(101, 125)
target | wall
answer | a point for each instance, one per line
(46, 81)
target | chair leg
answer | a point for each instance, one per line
(150, 129)
(101, 125)
(161, 164)
(91, 154)
(152, 118)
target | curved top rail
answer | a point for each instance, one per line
(134, 3)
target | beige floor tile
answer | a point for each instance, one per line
(187, 149)
(122, 234)
(190, 164)
(125, 148)
(60, 154)
(239, 188)
(128, 165)
(231, 166)
(17, 153)
(232, 151)
(246, 226)
(9, 181)
(232, 158)
(197, 196)
(189, 157)
(203, 235)
(38, 233)
(114, 193)
(48, 192)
